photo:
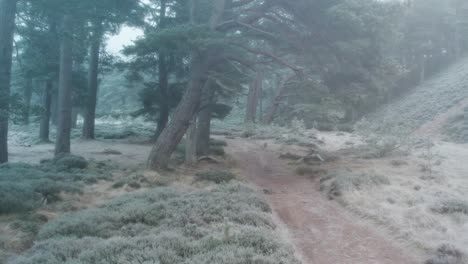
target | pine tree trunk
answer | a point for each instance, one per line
(281, 95)
(204, 132)
(422, 73)
(93, 72)
(44, 129)
(7, 27)
(163, 75)
(75, 114)
(188, 107)
(27, 100)
(190, 104)
(465, 124)
(252, 101)
(62, 144)
(191, 144)
(204, 122)
(54, 106)
(163, 95)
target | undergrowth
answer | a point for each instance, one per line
(216, 176)
(229, 224)
(336, 184)
(25, 187)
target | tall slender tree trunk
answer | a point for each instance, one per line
(75, 114)
(93, 72)
(189, 106)
(252, 101)
(54, 113)
(204, 122)
(163, 95)
(62, 144)
(422, 73)
(280, 96)
(44, 129)
(28, 89)
(163, 75)
(191, 143)
(7, 27)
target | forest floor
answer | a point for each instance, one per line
(322, 231)
(398, 208)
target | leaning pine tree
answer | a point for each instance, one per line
(233, 28)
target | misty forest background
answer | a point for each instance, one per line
(185, 146)
(327, 63)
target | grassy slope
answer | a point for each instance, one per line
(428, 100)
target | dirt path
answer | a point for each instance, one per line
(322, 231)
(433, 128)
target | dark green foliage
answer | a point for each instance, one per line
(26, 187)
(216, 176)
(335, 184)
(451, 207)
(229, 225)
(69, 162)
(447, 254)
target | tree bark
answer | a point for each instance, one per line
(28, 89)
(75, 113)
(163, 95)
(204, 132)
(7, 27)
(273, 108)
(93, 72)
(252, 101)
(191, 143)
(62, 144)
(44, 129)
(204, 122)
(189, 106)
(163, 75)
(422, 73)
(54, 113)
(465, 125)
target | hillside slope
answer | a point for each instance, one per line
(430, 99)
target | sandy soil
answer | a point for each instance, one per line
(323, 232)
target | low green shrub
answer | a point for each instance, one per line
(26, 187)
(447, 254)
(335, 184)
(216, 176)
(228, 225)
(450, 207)
(69, 162)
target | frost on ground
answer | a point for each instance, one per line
(228, 224)
(418, 196)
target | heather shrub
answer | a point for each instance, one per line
(229, 224)
(216, 176)
(335, 184)
(26, 187)
(450, 207)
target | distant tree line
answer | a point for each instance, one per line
(317, 60)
